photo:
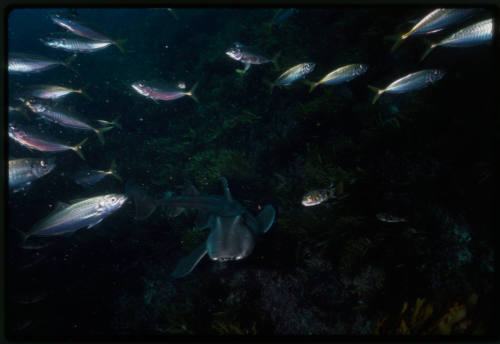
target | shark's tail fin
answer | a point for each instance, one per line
(144, 204)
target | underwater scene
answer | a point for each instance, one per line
(183, 172)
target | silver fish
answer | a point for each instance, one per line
(89, 178)
(293, 74)
(60, 117)
(475, 34)
(74, 44)
(410, 82)
(242, 54)
(385, 217)
(340, 75)
(67, 219)
(24, 63)
(24, 171)
(81, 29)
(155, 93)
(31, 141)
(436, 21)
(51, 91)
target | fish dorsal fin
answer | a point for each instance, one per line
(188, 263)
(59, 206)
(225, 187)
(266, 217)
(73, 201)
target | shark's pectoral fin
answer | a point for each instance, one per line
(188, 263)
(266, 217)
(144, 205)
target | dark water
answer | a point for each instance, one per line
(333, 269)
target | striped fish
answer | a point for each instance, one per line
(475, 34)
(82, 30)
(58, 116)
(74, 44)
(68, 218)
(411, 82)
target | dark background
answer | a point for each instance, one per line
(325, 270)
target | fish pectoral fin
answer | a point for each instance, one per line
(188, 263)
(95, 223)
(155, 100)
(247, 67)
(266, 217)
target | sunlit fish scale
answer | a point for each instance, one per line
(51, 91)
(411, 82)
(475, 34)
(293, 74)
(31, 141)
(23, 172)
(161, 93)
(66, 219)
(60, 117)
(74, 44)
(24, 63)
(340, 75)
(436, 21)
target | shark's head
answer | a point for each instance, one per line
(230, 239)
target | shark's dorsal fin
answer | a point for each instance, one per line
(188, 263)
(225, 187)
(190, 189)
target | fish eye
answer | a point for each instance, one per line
(43, 163)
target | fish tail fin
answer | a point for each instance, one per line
(119, 44)
(429, 49)
(78, 148)
(270, 84)
(378, 93)
(68, 63)
(113, 171)
(101, 131)
(191, 92)
(83, 92)
(116, 123)
(23, 111)
(396, 44)
(311, 84)
(24, 236)
(275, 60)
